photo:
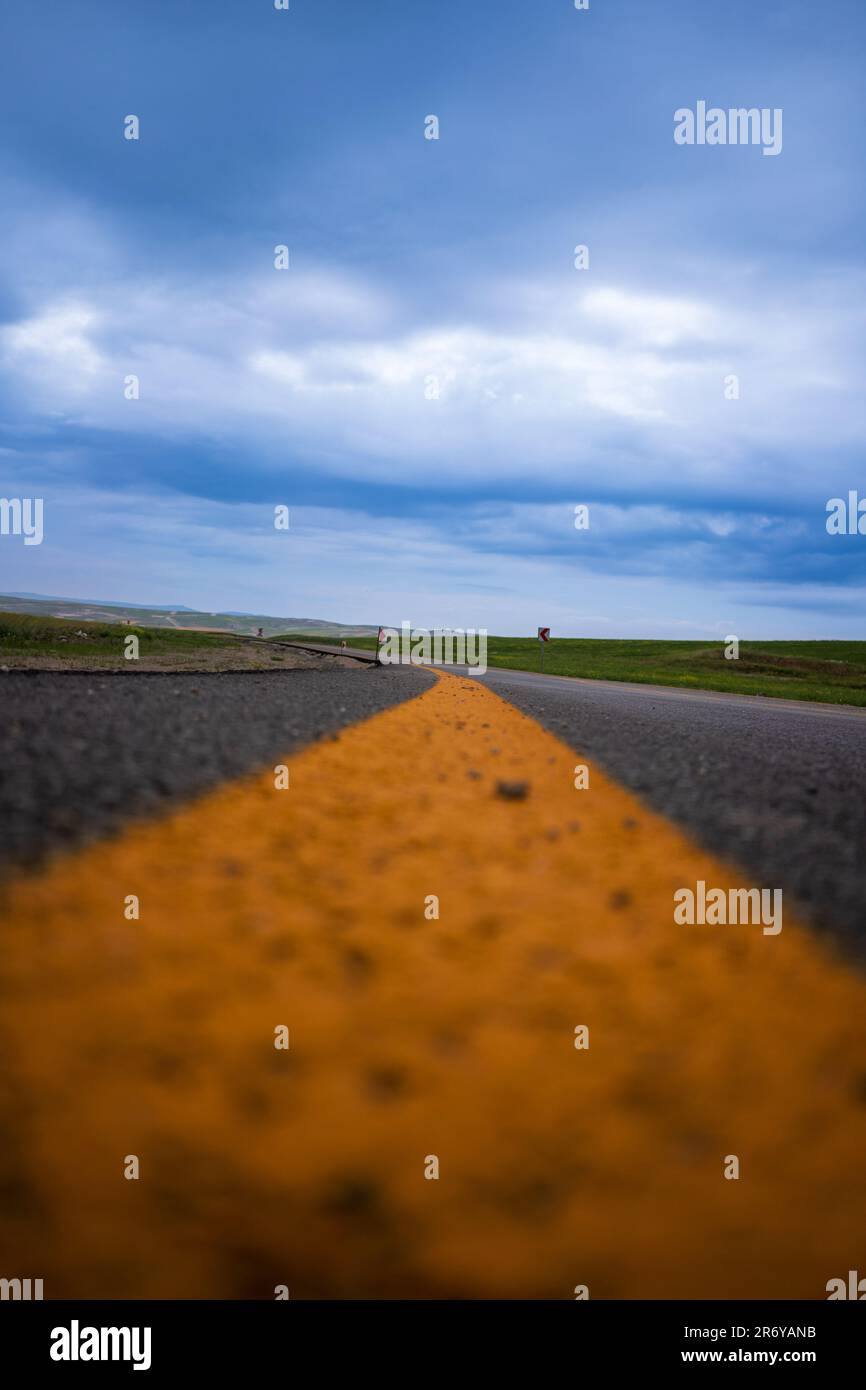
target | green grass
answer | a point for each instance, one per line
(23, 634)
(832, 672)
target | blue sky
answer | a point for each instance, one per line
(413, 260)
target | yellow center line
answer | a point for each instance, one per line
(415, 1038)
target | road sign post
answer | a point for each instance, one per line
(543, 637)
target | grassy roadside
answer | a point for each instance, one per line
(28, 640)
(830, 672)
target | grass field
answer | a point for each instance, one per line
(22, 633)
(833, 672)
(28, 641)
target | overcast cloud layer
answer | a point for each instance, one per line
(432, 387)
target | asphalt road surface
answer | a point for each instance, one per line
(81, 753)
(779, 786)
(775, 786)
(439, 916)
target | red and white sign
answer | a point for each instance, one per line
(544, 634)
(380, 639)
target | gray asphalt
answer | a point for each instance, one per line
(80, 754)
(777, 786)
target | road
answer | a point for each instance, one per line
(419, 1020)
(778, 786)
(81, 753)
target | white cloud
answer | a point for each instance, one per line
(58, 340)
(597, 381)
(654, 320)
(346, 564)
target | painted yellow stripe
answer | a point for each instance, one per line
(414, 1037)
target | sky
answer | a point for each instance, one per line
(433, 386)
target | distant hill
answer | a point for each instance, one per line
(101, 603)
(163, 615)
